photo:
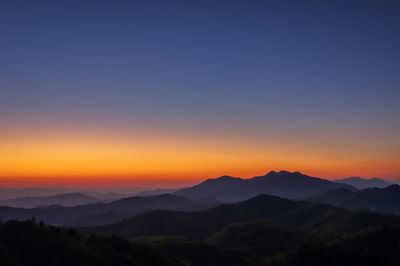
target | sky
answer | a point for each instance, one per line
(168, 93)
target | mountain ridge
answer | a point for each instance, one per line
(293, 185)
(65, 199)
(361, 183)
(119, 209)
(383, 200)
(327, 221)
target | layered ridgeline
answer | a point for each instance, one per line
(66, 200)
(102, 213)
(324, 220)
(201, 196)
(12, 193)
(265, 230)
(361, 183)
(249, 243)
(293, 185)
(385, 200)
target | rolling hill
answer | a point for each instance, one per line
(66, 200)
(101, 213)
(249, 241)
(324, 220)
(12, 193)
(386, 200)
(155, 192)
(30, 244)
(293, 185)
(361, 183)
(372, 246)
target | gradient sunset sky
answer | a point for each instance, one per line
(172, 92)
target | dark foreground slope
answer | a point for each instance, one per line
(266, 243)
(324, 220)
(293, 185)
(373, 246)
(248, 242)
(385, 200)
(27, 243)
(257, 242)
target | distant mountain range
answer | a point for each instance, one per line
(155, 192)
(361, 183)
(12, 193)
(292, 185)
(101, 194)
(171, 229)
(375, 199)
(66, 200)
(103, 213)
(82, 210)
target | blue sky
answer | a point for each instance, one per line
(340, 57)
(322, 66)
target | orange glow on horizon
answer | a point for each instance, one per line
(83, 158)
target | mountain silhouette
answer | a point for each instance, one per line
(333, 197)
(66, 200)
(30, 244)
(260, 238)
(293, 185)
(253, 242)
(375, 199)
(324, 220)
(13, 193)
(369, 247)
(154, 192)
(361, 183)
(102, 213)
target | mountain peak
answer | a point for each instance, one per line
(272, 172)
(224, 178)
(283, 183)
(283, 172)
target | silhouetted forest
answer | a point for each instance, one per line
(265, 230)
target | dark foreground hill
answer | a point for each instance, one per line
(30, 244)
(361, 183)
(257, 242)
(266, 243)
(326, 221)
(386, 200)
(370, 247)
(101, 213)
(248, 241)
(293, 185)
